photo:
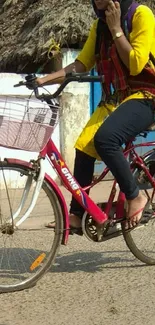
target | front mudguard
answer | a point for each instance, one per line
(56, 189)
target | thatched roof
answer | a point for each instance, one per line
(27, 28)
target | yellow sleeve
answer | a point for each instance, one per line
(141, 38)
(87, 55)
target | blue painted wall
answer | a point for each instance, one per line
(95, 93)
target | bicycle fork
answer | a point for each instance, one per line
(35, 195)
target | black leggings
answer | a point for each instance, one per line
(127, 121)
(83, 172)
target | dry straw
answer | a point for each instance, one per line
(27, 28)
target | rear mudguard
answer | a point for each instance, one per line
(149, 156)
(149, 160)
(55, 188)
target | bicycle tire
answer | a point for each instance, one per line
(58, 233)
(135, 239)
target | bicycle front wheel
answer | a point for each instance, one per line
(28, 250)
(141, 240)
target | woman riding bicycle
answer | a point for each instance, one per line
(124, 58)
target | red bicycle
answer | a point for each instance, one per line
(30, 197)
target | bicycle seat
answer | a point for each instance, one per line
(149, 129)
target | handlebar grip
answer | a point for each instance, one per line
(84, 77)
(30, 77)
(91, 79)
(29, 83)
(77, 74)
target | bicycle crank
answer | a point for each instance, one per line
(98, 233)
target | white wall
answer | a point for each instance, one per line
(76, 111)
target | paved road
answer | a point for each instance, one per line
(89, 284)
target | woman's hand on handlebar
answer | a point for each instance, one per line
(51, 79)
(59, 76)
(39, 82)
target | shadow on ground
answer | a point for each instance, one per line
(94, 261)
(18, 266)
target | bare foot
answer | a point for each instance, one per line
(135, 205)
(75, 221)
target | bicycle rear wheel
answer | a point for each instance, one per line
(141, 240)
(26, 251)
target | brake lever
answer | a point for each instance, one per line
(26, 83)
(21, 83)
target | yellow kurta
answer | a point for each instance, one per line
(142, 40)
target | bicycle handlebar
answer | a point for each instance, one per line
(77, 77)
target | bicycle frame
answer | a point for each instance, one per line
(77, 191)
(80, 194)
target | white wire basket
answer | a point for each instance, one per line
(26, 124)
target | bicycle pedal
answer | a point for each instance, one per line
(76, 231)
(115, 228)
(111, 232)
(146, 217)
